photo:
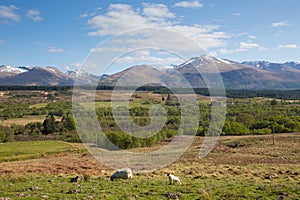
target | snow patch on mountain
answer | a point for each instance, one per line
(223, 61)
(77, 73)
(15, 70)
(164, 67)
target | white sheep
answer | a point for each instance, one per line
(125, 173)
(173, 179)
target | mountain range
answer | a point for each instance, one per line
(235, 75)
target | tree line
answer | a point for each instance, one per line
(244, 116)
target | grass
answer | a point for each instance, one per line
(145, 187)
(14, 151)
(24, 120)
(247, 167)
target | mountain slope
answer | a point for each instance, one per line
(235, 75)
(38, 76)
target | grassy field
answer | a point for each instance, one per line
(14, 151)
(246, 167)
(26, 120)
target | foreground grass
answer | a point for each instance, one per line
(248, 167)
(13, 151)
(152, 186)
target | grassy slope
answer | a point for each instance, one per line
(13, 151)
(247, 167)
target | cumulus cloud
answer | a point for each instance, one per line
(287, 46)
(34, 15)
(156, 11)
(9, 13)
(188, 4)
(149, 60)
(243, 46)
(279, 24)
(52, 49)
(119, 17)
(122, 17)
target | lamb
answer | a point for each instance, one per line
(125, 173)
(173, 179)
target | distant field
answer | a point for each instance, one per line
(244, 167)
(38, 105)
(24, 120)
(13, 151)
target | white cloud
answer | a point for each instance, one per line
(112, 49)
(279, 24)
(84, 15)
(73, 66)
(9, 13)
(188, 4)
(122, 17)
(276, 34)
(236, 14)
(34, 15)
(157, 11)
(52, 49)
(252, 36)
(149, 60)
(243, 46)
(287, 46)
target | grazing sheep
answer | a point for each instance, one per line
(173, 179)
(122, 173)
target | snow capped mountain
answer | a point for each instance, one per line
(272, 66)
(14, 70)
(195, 61)
(235, 75)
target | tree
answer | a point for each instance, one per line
(49, 124)
(68, 123)
(2, 136)
(273, 102)
(235, 128)
(169, 97)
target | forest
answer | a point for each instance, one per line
(244, 116)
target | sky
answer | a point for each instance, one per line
(65, 33)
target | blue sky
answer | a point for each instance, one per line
(62, 33)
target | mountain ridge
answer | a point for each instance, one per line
(236, 75)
